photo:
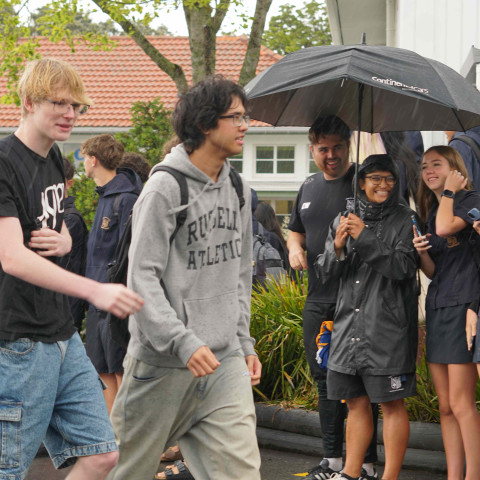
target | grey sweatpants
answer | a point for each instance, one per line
(212, 418)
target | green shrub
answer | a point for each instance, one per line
(151, 129)
(86, 199)
(277, 327)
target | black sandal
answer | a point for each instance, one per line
(169, 474)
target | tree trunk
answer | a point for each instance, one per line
(252, 55)
(202, 33)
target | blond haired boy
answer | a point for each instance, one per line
(49, 390)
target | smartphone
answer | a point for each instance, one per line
(474, 214)
(415, 224)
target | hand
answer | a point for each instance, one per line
(48, 242)
(297, 258)
(203, 362)
(117, 299)
(354, 225)
(476, 226)
(455, 181)
(422, 244)
(471, 327)
(341, 235)
(255, 368)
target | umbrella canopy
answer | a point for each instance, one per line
(371, 88)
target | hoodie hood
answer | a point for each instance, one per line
(126, 181)
(370, 210)
(179, 159)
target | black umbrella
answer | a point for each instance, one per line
(371, 88)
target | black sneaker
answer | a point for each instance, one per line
(321, 472)
(365, 476)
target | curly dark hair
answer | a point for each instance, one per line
(198, 109)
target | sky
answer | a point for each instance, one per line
(175, 20)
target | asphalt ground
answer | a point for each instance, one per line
(276, 465)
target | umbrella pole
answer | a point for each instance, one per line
(355, 184)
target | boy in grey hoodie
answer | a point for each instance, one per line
(190, 363)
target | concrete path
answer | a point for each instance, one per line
(276, 465)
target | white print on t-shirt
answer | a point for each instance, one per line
(305, 205)
(52, 204)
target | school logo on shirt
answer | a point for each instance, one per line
(396, 383)
(105, 223)
(305, 205)
(452, 241)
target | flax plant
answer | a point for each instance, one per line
(277, 327)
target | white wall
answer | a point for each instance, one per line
(444, 30)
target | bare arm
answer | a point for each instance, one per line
(296, 250)
(19, 261)
(446, 222)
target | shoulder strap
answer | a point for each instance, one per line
(238, 185)
(471, 143)
(182, 183)
(116, 205)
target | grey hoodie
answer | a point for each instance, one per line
(206, 271)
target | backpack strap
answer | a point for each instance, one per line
(238, 185)
(182, 183)
(471, 143)
(116, 205)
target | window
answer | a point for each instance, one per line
(275, 159)
(237, 162)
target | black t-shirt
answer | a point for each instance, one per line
(456, 278)
(32, 190)
(318, 202)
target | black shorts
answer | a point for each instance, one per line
(378, 388)
(104, 352)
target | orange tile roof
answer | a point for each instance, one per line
(117, 78)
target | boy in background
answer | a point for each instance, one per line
(118, 189)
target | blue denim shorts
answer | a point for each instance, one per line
(49, 392)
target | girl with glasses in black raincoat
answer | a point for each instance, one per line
(374, 339)
(444, 198)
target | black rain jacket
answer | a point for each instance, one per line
(376, 316)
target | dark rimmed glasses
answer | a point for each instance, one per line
(377, 179)
(61, 107)
(237, 119)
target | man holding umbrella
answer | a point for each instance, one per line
(320, 199)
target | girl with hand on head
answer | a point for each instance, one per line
(444, 198)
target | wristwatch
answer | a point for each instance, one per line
(448, 193)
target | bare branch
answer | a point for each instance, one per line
(174, 71)
(253, 49)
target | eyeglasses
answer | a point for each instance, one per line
(377, 179)
(237, 119)
(61, 106)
